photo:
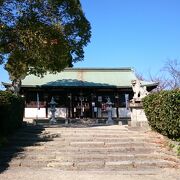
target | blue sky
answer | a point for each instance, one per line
(141, 34)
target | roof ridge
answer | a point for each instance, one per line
(100, 68)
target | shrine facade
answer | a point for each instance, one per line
(80, 92)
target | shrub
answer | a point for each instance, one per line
(163, 112)
(11, 112)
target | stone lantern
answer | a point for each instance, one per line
(109, 111)
(53, 110)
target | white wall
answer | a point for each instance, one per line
(41, 113)
(35, 113)
(62, 112)
(123, 112)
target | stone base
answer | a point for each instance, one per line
(139, 124)
(66, 122)
(110, 122)
(138, 117)
(53, 121)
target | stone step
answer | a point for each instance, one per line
(95, 157)
(58, 141)
(29, 138)
(16, 149)
(96, 148)
(104, 139)
(102, 136)
(28, 163)
(114, 164)
(28, 143)
(98, 132)
(95, 165)
(139, 164)
(100, 174)
(29, 134)
(117, 157)
(93, 128)
(60, 154)
(80, 151)
(76, 138)
(96, 144)
(90, 130)
(30, 131)
(84, 154)
(91, 149)
(109, 144)
(70, 133)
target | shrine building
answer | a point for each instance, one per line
(80, 92)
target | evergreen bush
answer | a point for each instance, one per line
(11, 112)
(163, 112)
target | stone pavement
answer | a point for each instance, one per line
(97, 152)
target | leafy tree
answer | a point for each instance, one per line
(37, 36)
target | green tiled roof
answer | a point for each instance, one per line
(86, 77)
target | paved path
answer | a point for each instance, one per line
(100, 152)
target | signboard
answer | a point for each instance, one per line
(99, 98)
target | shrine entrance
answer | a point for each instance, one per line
(79, 103)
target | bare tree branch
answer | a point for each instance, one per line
(169, 76)
(172, 68)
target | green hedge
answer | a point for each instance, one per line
(11, 112)
(163, 112)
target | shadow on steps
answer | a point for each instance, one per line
(28, 135)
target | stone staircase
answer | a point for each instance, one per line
(98, 148)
